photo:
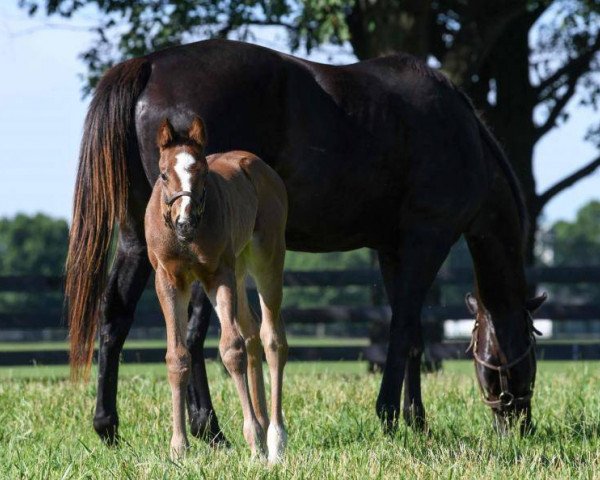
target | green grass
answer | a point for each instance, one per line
(45, 428)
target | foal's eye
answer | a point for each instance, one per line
(163, 176)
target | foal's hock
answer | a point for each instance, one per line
(213, 219)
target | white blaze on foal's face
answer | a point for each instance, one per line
(185, 161)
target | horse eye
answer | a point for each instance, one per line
(163, 176)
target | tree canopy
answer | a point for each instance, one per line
(577, 243)
(33, 245)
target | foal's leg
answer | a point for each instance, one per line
(408, 273)
(267, 270)
(203, 419)
(249, 329)
(222, 292)
(174, 302)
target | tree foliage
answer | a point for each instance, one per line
(577, 243)
(33, 245)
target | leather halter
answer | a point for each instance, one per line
(506, 398)
(199, 203)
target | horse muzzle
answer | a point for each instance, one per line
(186, 230)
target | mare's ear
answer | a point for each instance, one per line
(165, 134)
(471, 303)
(197, 132)
(536, 302)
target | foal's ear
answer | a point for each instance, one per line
(536, 302)
(197, 132)
(471, 303)
(165, 134)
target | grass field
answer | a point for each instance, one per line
(45, 428)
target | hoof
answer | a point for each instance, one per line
(388, 414)
(107, 429)
(205, 426)
(179, 449)
(414, 417)
(276, 442)
(255, 437)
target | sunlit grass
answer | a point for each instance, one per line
(45, 428)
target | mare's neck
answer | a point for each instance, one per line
(501, 284)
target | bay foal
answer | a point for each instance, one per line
(213, 219)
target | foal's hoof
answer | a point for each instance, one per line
(276, 442)
(255, 437)
(205, 426)
(107, 429)
(179, 449)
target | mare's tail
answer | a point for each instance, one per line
(100, 201)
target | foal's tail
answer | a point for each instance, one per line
(100, 201)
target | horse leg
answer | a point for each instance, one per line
(266, 266)
(249, 329)
(203, 419)
(272, 334)
(174, 303)
(413, 410)
(232, 347)
(126, 283)
(408, 272)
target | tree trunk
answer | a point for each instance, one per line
(380, 27)
(511, 118)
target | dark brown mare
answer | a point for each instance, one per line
(384, 153)
(214, 219)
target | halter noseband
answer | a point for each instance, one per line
(199, 203)
(506, 398)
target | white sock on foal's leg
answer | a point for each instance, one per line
(276, 442)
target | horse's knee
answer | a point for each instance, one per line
(254, 349)
(274, 342)
(114, 331)
(234, 355)
(178, 365)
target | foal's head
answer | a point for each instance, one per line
(183, 170)
(505, 363)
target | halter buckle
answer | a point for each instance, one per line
(506, 399)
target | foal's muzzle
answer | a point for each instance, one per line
(185, 229)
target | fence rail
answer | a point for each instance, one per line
(338, 278)
(53, 319)
(329, 314)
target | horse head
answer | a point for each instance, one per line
(503, 347)
(183, 171)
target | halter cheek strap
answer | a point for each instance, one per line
(506, 398)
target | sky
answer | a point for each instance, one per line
(42, 113)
